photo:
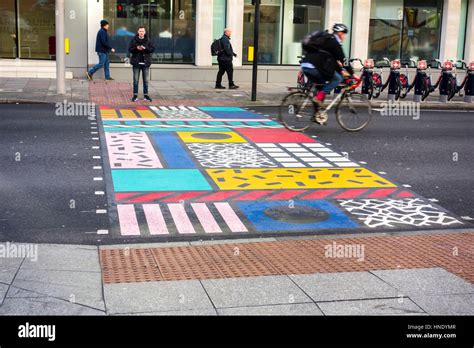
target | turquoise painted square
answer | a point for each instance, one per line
(142, 180)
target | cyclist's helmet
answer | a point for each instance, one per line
(339, 27)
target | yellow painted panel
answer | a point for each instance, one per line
(146, 114)
(211, 137)
(126, 113)
(298, 178)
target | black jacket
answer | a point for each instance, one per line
(140, 56)
(326, 60)
(102, 44)
(227, 54)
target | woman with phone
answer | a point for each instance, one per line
(141, 49)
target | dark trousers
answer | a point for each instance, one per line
(225, 67)
(136, 78)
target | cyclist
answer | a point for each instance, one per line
(324, 60)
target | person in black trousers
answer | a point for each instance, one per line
(141, 49)
(224, 58)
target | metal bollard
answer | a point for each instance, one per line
(419, 80)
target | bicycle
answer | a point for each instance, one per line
(371, 80)
(298, 110)
(397, 82)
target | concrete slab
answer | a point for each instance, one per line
(288, 309)
(344, 286)
(79, 287)
(156, 297)
(15, 292)
(3, 291)
(394, 306)
(65, 258)
(44, 306)
(446, 304)
(253, 291)
(8, 268)
(191, 312)
(427, 281)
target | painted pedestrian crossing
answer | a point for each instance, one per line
(201, 172)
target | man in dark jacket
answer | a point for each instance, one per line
(102, 47)
(325, 63)
(224, 58)
(141, 49)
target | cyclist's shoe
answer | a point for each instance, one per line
(321, 117)
(89, 76)
(219, 87)
(134, 98)
(319, 98)
(233, 87)
(147, 98)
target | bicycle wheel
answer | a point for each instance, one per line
(404, 85)
(353, 112)
(296, 111)
(452, 86)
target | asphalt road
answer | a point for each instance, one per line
(48, 188)
(47, 178)
(434, 154)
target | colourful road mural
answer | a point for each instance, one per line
(207, 171)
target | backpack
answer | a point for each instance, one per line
(216, 47)
(315, 41)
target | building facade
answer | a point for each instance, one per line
(182, 31)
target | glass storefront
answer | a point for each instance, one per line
(405, 29)
(282, 26)
(27, 29)
(171, 24)
(218, 20)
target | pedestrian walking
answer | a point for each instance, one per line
(102, 47)
(224, 58)
(141, 49)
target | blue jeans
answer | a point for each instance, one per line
(136, 78)
(103, 63)
(315, 76)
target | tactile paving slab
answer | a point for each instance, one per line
(453, 252)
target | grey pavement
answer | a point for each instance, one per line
(41, 90)
(66, 280)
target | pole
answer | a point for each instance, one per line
(60, 56)
(255, 45)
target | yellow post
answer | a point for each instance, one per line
(250, 54)
(67, 45)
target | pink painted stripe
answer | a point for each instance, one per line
(404, 194)
(183, 197)
(319, 194)
(128, 220)
(253, 195)
(381, 193)
(205, 217)
(154, 217)
(219, 196)
(351, 193)
(288, 194)
(181, 219)
(196, 119)
(149, 197)
(230, 217)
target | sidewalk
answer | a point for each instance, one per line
(164, 93)
(403, 275)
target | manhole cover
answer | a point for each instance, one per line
(299, 214)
